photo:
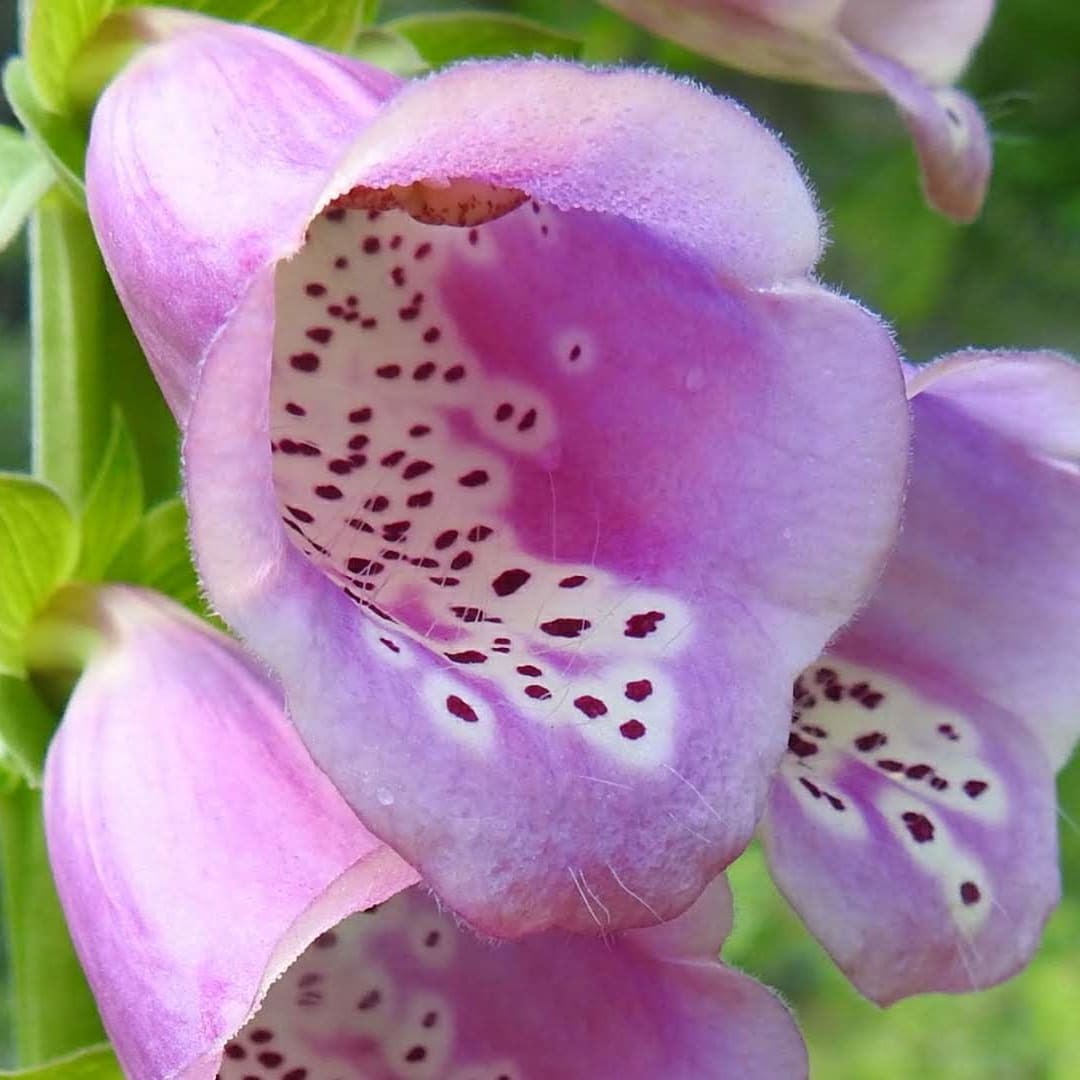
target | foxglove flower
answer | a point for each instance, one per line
(911, 50)
(913, 825)
(519, 443)
(201, 857)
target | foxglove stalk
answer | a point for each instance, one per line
(913, 824)
(201, 857)
(910, 50)
(518, 442)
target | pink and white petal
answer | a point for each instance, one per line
(912, 826)
(950, 134)
(985, 583)
(404, 991)
(637, 144)
(780, 39)
(932, 38)
(205, 159)
(566, 515)
(196, 849)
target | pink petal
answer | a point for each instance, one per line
(985, 582)
(203, 166)
(663, 520)
(636, 144)
(404, 991)
(573, 663)
(196, 849)
(950, 135)
(914, 824)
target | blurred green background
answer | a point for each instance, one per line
(1011, 279)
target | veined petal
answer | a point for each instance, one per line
(914, 822)
(565, 515)
(912, 826)
(196, 849)
(403, 991)
(205, 159)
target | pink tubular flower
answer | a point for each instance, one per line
(201, 857)
(913, 824)
(519, 443)
(910, 50)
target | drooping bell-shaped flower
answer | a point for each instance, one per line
(910, 50)
(913, 825)
(518, 441)
(201, 857)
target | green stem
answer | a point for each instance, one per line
(68, 292)
(53, 1010)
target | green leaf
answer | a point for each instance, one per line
(53, 36)
(447, 36)
(157, 556)
(62, 139)
(388, 50)
(38, 547)
(25, 175)
(93, 1063)
(113, 506)
(330, 23)
(53, 1009)
(26, 726)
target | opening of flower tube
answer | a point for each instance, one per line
(434, 459)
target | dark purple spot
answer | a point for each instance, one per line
(509, 581)
(315, 288)
(328, 491)
(870, 741)
(416, 1053)
(321, 334)
(643, 624)
(974, 788)
(632, 729)
(918, 772)
(565, 628)
(369, 323)
(969, 893)
(461, 709)
(270, 1058)
(591, 706)
(261, 1035)
(388, 371)
(504, 412)
(377, 504)
(575, 353)
(301, 515)
(540, 693)
(529, 669)
(325, 940)
(423, 251)
(421, 498)
(295, 410)
(295, 1074)
(371, 245)
(369, 1000)
(454, 374)
(811, 787)
(573, 581)
(528, 421)
(418, 431)
(920, 827)
(939, 784)
(445, 539)
(469, 656)
(395, 531)
(639, 689)
(392, 459)
(341, 262)
(890, 765)
(801, 747)
(461, 560)
(360, 416)
(474, 479)
(397, 275)
(478, 533)
(432, 334)
(305, 361)
(871, 700)
(235, 1051)
(417, 468)
(948, 731)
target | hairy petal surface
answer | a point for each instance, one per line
(913, 825)
(205, 159)
(196, 849)
(402, 992)
(909, 50)
(551, 520)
